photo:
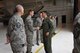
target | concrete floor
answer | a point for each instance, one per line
(61, 42)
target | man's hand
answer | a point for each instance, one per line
(37, 28)
(8, 40)
(47, 33)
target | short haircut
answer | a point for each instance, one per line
(30, 10)
(47, 13)
(17, 8)
(41, 11)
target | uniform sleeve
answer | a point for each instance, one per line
(9, 28)
(29, 24)
(76, 19)
(45, 26)
(7, 34)
(19, 25)
(38, 22)
(50, 26)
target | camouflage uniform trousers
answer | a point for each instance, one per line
(39, 34)
(18, 48)
(29, 42)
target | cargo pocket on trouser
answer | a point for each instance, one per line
(18, 48)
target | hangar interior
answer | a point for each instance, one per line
(62, 42)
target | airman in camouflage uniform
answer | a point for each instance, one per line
(16, 31)
(39, 21)
(29, 31)
(76, 32)
(53, 19)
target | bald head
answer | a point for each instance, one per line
(19, 9)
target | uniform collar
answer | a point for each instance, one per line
(17, 15)
(29, 16)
